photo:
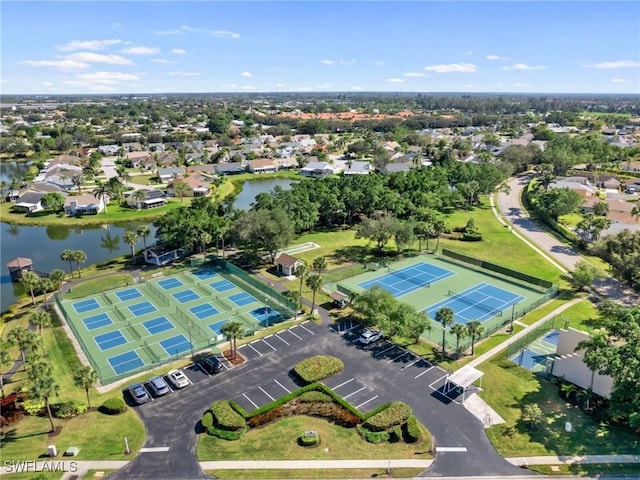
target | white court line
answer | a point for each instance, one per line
(302, 326)
(283, 387)
(364, 403)
(254, 349)
(293, 333)
(264, 341)
(353, 393)
(343, 383)
(263, 391)
(282, 339)
(410, 364)
(401, 355)
(422, 373)
(250, 401)
(385, 350)
(154, 449)
(433, 383)
(451, 449)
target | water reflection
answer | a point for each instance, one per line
(58, 232)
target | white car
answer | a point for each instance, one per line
(370, 336)
(177, 378)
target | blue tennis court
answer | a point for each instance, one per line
(265, 315)
(170, 283)
(242, 299)
(128, 294)
(480, 302)
(142, 308)
(205, 274)
(97, 321)
(86, 305)
(408, 279)
(186, 296)
(157, 325)
(530, 360)
(552, 338)
(222, 285)
(110, 340)
(176, 345)
(215, 327)
(126, 362)
(204, 311)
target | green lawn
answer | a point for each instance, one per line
(592, 470)
(98, 285)
(278, 441)
(324, 473)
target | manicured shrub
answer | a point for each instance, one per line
(207, 420)
(396, 414)
(226, 434)
(225, 417)
(309, 439)
(238, 408)
(33, 406)
(471, 236)
(318, 367)
(314, 396)
(411, 430)
(113, 406)
(64, 410)
(396, 434)
(81, 408)
(373, 437)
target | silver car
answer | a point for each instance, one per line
(158, 386)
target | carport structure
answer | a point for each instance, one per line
(462, 378)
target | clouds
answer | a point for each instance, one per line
(89, 44)
(337, 62)
(617, 64)
(246, 74)
(219, 33)
(415, 74)
(140, 50)
(452, 68)
(65, 64)
(183, 74)
(496, 57)
(524, 67)
(394, 80)
(178, 51)
(90, 57)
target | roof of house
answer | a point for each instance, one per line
(19, 262)
(81, 200)
(229, 167)
(261, 163)
(357, 167)
(31, 197)
(137, 155)
(311, 166)
(286, 260)
(396, 167)
(170, 171)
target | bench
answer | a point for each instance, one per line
(157, 275)
(71, 452)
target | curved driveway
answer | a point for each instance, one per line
(562, 254)
(172, 421)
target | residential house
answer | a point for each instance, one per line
(287, 264)
(206, 169)
(198, 185)
(156, 147)
(29, 202)
(317, 169)
(83, 205)
(262, 165)
(631, 166)
(286, 163)
(169, 159)
(132, 147)
(59, 175)
(611, 184)
(139, 159)
(231, 168)
(396, 167)
(167, 174)
(108, 150)
(154, 198)
(357, 168)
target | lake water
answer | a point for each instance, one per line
(251, 188)
(11, 170)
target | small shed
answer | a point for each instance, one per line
(17, 266)
(339, 299)
(463, 379)
(286, 264)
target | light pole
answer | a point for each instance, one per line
(190, 342)
(266, 313)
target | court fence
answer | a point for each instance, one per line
(531, 336)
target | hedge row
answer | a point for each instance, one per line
(226, 434)
(113, 406)
(396, 414)
(411, 430)
(69, 409)
(373, 437)
(225, 417)
(319, 367)
(314, 396)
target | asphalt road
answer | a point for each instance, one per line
(372, 376)
(511, 208)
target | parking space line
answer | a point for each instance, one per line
(264, 341)
(451, 449)
(263, 391)
(250, 401)
(353, 393)
(436, 381)
(302, 326)
(364, 403)
(148, 392)
(343, 383)
(282, 339)
(225, 366)
(254, 349)
(379, 354)
(283, 387)
(294, 333)
(205, 372)
(410, 364)
(422, 373)
(399, 356)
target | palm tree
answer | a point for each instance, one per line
(79, 257)
(301, 272)
(131, 238)
(57, 277)
(460, 331)
(204, 238)
(568, 389)
(444, 316)
(85, 377)
(67, 256)
(23, 339)
(314, 282)
(78, 181)
(474, 330)
(232, 330)
(143, 232)
(43, 387)
(293, 297)
(319, 264)
(601, 208)
(438, 228)
(46, 285)
(5, 360)
(595, 357)
(40, 319)
(180, 189)
(30, 281)
(101, 191)
(635, 211)
(110, 243)
(138, 196)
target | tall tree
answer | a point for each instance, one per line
(138, 196)
(40, 319)
(584, 275)
(79, 256)
(5, 359)
(30, 281)
(131, 238)
(44, 387)
(319, 265)
(301, 272)
(84, 378)
(444, 316)
(101, 191)
(314, 282)
(143, 232)
(460, 331)
(474, 330)
(232, 330)
(57, 276)
(403, 234)
(24, 340)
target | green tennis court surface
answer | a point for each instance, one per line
(127, 330)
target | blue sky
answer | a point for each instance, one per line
(418, 46)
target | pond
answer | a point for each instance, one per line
(251, 188)
(10, 171)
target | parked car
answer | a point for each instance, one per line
(177, 379)
(158, 386)
(211, 364)
(369, 336)
(138, 393)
